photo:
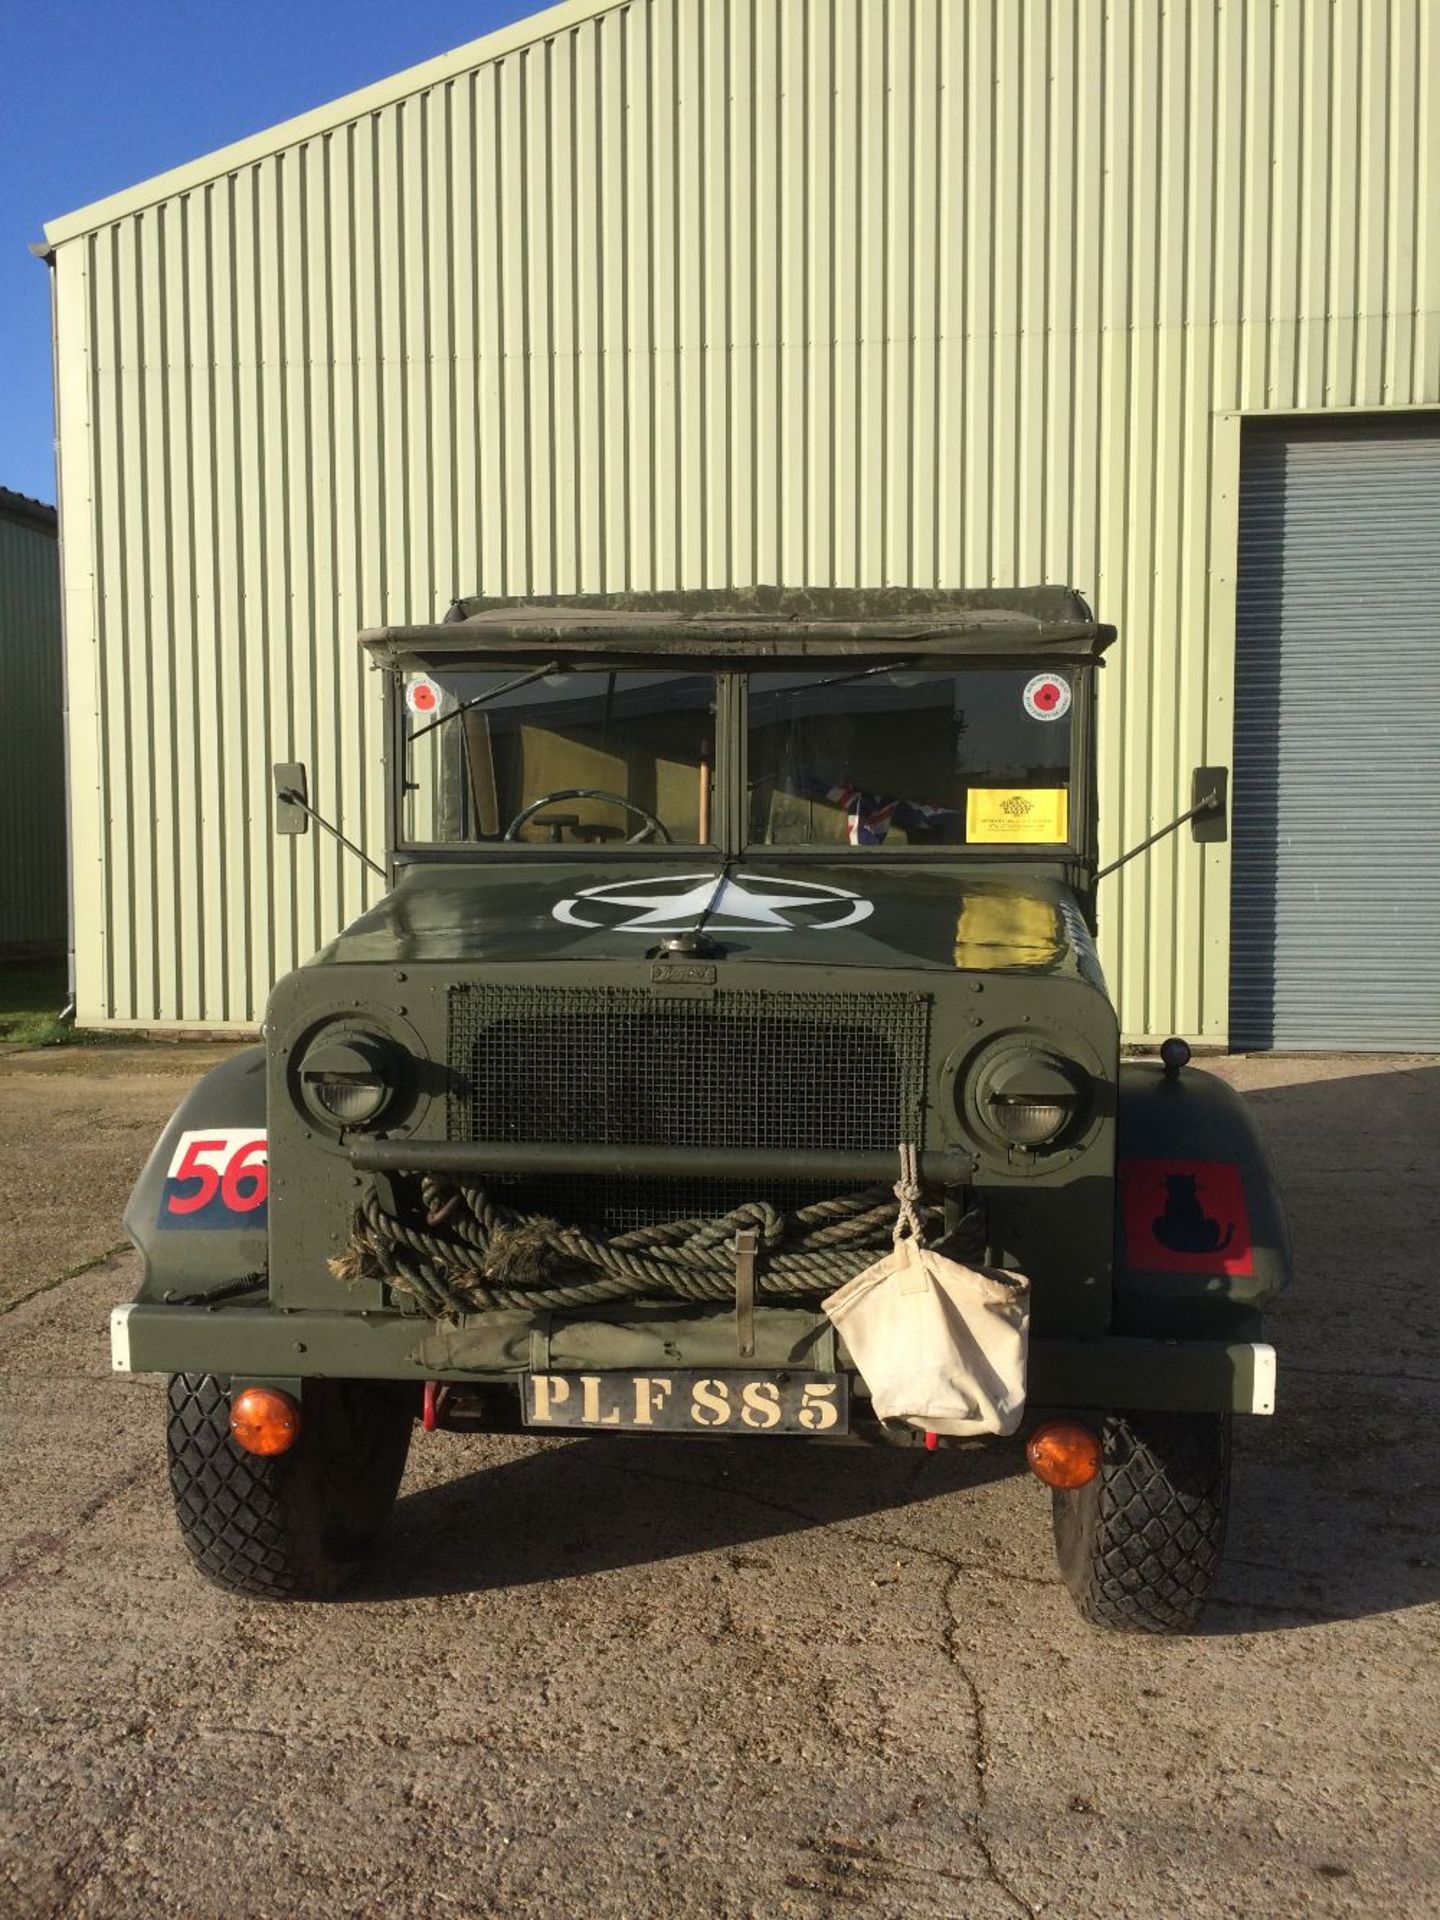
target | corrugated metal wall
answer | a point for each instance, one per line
(33, 903)
(698, 291)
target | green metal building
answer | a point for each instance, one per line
(34, 919)
(1138, 295)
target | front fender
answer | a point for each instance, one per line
(193, 1240)
(1200, 1233)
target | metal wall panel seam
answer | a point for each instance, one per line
(718, 532)
(1398, 212)
(791, 295)
(894, 361)
(312, 587)
(90, 787)
(276, 949)
(950, 491)
(227, 206)
(817, 219)
(755, 239)
(841, 412)
(1426, 377)
(176, 611)
(619, 59)
(115, 694)
(292, 693)
(639, 345)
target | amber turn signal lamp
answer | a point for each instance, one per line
(1064, 1454)
(264, 1420)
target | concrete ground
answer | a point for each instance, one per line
(652, 1678)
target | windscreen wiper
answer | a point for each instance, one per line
(491, 693)
(867, 673)
(841, 680)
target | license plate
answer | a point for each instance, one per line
(736, 1401)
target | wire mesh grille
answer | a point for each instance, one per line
(618, 1067)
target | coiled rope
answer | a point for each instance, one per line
(464, 1251)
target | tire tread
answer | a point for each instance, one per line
(265, 1526)
(1146, 1554)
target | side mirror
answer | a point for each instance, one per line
(1210, 803)
(292, 797)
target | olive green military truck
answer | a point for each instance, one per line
(700, 907)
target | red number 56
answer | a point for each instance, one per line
(237, 1173)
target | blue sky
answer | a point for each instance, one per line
(97, 94)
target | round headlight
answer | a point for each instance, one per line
(1029, 1098)
(1029, 1123)
(347, 1082)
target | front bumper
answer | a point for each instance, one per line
(255, 1341)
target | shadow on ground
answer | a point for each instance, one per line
(593, 1504)
(1337, 1500)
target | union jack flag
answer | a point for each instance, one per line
(871, 815)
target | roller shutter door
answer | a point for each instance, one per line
(1336, 857)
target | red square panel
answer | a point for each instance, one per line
(1185, 1216)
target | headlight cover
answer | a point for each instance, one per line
(1028, 1098)
(348, 1081)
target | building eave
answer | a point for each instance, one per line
(20, 508)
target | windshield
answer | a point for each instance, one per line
(891, 757)
(555, 756)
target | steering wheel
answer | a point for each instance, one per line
(653, 824)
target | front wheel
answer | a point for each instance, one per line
(1139, 1547)
(294, 1525)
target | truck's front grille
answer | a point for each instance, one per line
(620, 1067)
(606, 1204)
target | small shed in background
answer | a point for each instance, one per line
(34, 917)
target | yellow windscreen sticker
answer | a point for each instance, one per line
(1017, 816)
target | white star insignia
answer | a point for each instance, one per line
(728, 902)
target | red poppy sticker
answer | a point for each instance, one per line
(1047, 697)
(422, 696)
(1185, 1216)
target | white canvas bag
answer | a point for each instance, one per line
(941, 1346)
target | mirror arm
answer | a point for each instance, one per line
(1211, 802)
(294, 799)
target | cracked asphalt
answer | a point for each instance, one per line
(643, 1678)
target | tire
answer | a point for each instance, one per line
(1139, 1548)
(294, 1525)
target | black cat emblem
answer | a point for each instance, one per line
(1184, 1226)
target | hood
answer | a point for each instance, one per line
(845, 913)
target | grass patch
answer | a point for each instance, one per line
(32, 994)
(35, 1030)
